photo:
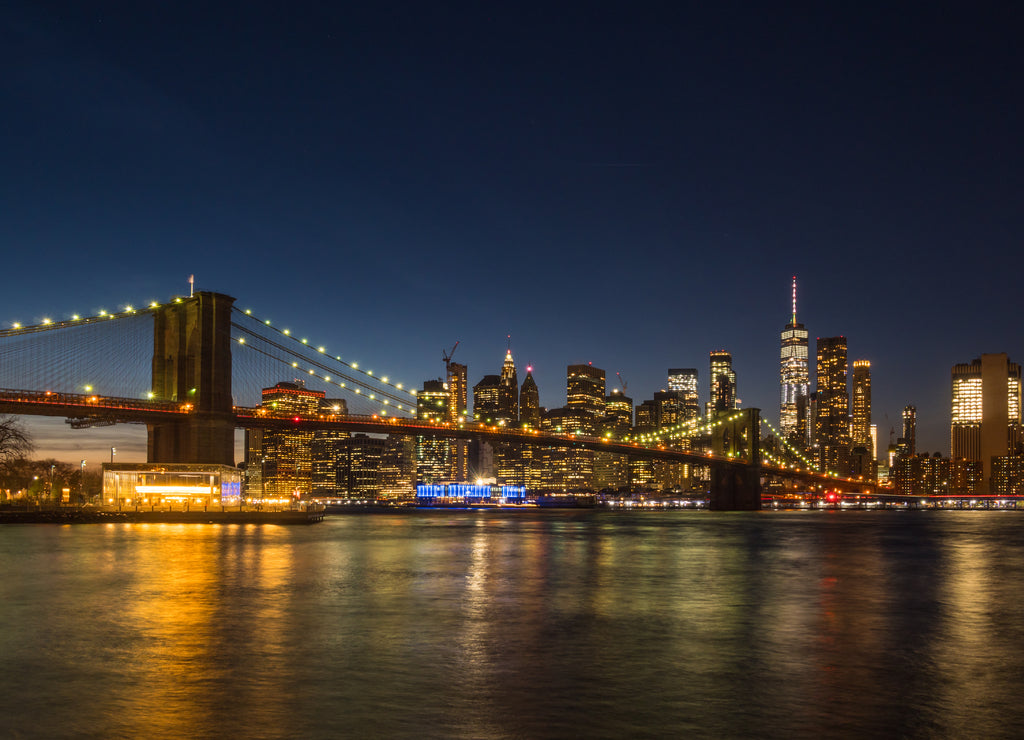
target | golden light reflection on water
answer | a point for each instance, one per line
(534, 624)
(178, 584)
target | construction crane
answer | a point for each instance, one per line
(622, 383)
(447, 357)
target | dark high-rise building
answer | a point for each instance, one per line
(861, 428)
(723, 382)
(486, 399)
(986, 419)
(832, 419)
(794, 375)
(529, 401)
(910, 430)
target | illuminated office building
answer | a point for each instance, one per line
(572, 468)
(432, 464)
(723, 382)
(324, 450)
(611, 470)
(860, 432)
(618, 414)
(794, 376)
(584, 391)
(832, 424)
(985, 411)
(458, 410)
(684, 381)
(285, 455)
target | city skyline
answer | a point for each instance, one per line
(655, 179)
(64, 444)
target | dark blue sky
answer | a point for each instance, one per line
(627, 184)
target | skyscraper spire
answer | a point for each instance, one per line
(794, 301)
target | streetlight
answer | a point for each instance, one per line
(81, 482)
(113, 451)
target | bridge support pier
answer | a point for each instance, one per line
(737, 487)
(192, 365)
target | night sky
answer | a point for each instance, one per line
(632, 185)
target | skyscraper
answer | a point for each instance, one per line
(285, 454)
(458, 400)
(723, 382)
(794, 374)
(458, 396)
(832, 419)
(529, 400)
(432, 464)
(861, 429)
(584, 389)
(684, 381)
(986, 411)
(508, 391)
(910, 430)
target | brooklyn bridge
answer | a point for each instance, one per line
(190, 370)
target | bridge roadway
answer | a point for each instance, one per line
(110, 410)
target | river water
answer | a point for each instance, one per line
(518, 625)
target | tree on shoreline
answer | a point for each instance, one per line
(15, 442)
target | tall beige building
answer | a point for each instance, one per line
(861, 429)
(985, 420)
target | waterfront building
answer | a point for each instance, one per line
(172, 485)
(832, 425)
(529, 401)
(398, 467)
(794, 377)
(985, 421)
(1008, 474)
(934, 475)
(432, 464)
(723, 382)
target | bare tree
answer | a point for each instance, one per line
(15, 442)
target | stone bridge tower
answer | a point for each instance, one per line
(192, 365)
(737, 487)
